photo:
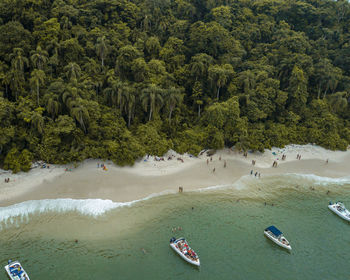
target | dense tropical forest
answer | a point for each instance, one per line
(118, 79)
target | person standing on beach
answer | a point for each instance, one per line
(225, 164)
(214, 170)
(207, 161)
(251, 172)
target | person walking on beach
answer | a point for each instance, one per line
(207, 161)
(211, 158)
(225, 164)
(219, 157)
(214, 170)
(251, 172)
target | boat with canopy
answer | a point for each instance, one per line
(277, 237)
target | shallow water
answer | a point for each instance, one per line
(225, 227)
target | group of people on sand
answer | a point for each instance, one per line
(256, 173)
(299, 156)
(103, 166)
(274, 164)
(7, 180)
(211, 159)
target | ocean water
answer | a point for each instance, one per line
(101, 239)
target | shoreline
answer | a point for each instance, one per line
(149, 177)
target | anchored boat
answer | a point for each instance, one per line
(181, 247)
(15, 271)
(276, 236)
(339, 209)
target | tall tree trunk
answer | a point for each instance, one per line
(37, 94)
(170, 113)
(150, 113)
(218, 93)
(82, 122)
(129, 117)
(199, 110)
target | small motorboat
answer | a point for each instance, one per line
(339, 209)
(181, 247)
(276, 236)
(15, 271)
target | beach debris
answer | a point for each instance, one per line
(211, 152)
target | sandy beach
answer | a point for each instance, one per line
(150, 176)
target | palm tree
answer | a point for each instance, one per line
(220, 74)
(69, 95)
(37, 79)
(53, 105)
(39, 57)
(200, 64)
(111, 93)
(130, 98)
(18, 62)
(151, 99)
(37, 122)
(173, 98)
(80, 113)
(3, 75)
(72, 70)
(102, 48)
(197, 95)
(115, 93)
(248, 81)
(338, 101)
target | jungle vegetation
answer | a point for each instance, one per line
(118, 79)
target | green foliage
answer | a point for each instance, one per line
(152, 142)
(118, 79)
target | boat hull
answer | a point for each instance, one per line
(177, 250)
(279, 243)
(333, 208)
(23, 276)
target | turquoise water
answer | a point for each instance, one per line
(225, 227)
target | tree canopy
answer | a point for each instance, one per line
(116, 79)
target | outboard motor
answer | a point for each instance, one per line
(172, 240)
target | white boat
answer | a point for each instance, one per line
(276, 236)
(181, 247)
(15, 271)
(339, 209)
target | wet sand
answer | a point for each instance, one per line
(147, 177)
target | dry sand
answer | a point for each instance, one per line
(147, 177)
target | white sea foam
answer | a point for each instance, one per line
(88, 207)
(318, 180)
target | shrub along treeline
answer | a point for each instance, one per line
(117, 79)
